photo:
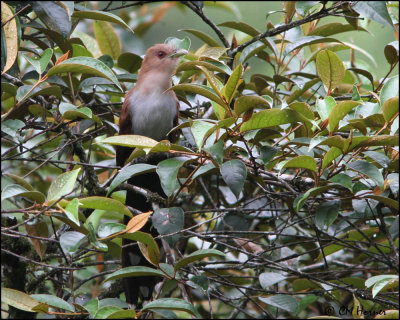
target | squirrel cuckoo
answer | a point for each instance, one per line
(148, 111)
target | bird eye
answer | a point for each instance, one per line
(161, 54)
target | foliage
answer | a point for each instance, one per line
(289, 179)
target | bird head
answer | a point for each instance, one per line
(161, 58)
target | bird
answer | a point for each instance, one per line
(148, 110)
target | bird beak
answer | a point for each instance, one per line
(178, 53)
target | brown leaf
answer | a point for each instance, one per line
(137, 222)
(234, 42)
(150, 254)
(249, 246)
(39, 229)
(62, 58)
(100, 257)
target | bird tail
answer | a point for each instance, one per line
(140, 287)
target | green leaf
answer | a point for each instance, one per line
(333, 28)
(104, 312)
(284, 302)
(241, 26)
(196, 256)
(302, 7)
(128, 172)
(330, 69)
(216, 151)
(201, 35)
(90, 43)
(104, 203)
(179, 43)
(390, 89)
(11, 126)
(364, 73)
(339, 111)
(122, 314)
(303, 108)
(373, 280)
(378, 157)
(130, 62)
(169, 220)
(244, 103)
(383, 140)
(374, 10)
(80, 51)
(251, 51)
(232, 84)
(327, 213)
(308, 299)
(353, 235)
(70, 241)
(9, 89)
(344, 180)
(307, 41)
(267, 153)
(100, 15)
(45, 59)
(213, 53)
(92, 306)
(272, 117)
(331, 155)
(150, 251)
(199, 89)
(40, 65)
(389, 202)
(380, 282)
(299, 92)
(107, 39)
(47, 91)
(210, 65)
(53, 16)
(131, 140)
(85, 65)
(172, 304)
(369, 170)
(93, 239)
(305, 162)
(201, 131)
(71, 112)
(205, 169)
(268, 279)
(301, 199)
(22, 301)
(212, 80)
(53, 301)
(392, 52)
(71, 210)
(13, 190)
(63, 185)
(234, 173)
(147, 245)
(226, 6)
(167, 170)
(20, 180)
(134, 272)
(109, 228)
(390, 108)
(393, 181)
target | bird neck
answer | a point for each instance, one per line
(154, 81)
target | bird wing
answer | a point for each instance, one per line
(125, 125)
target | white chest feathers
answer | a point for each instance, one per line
(152, 116)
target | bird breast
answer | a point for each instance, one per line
(152, 115)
